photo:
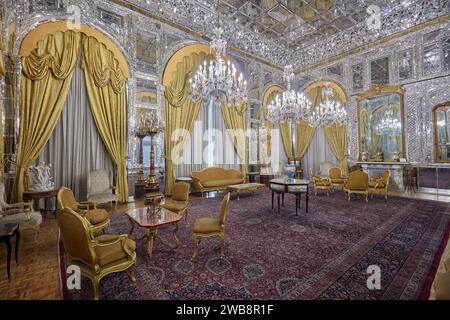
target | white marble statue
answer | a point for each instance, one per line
(40, 178)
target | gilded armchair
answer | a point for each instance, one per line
(357, 183)
(180, 199)
(96, 256)
(211, 227)
(320, 183)
(98, 219)
(336, 177)
(21, 213)
(380, 184)
(100, 187)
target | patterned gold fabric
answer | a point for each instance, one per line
(442, 286)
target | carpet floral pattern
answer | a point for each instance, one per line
(320, 255)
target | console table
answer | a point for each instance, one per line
(396, 169)
(35, 196)
(433, 177)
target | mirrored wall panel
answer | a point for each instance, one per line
(357, 77)
(379, 71)
(380, 120)
(405, 65)
(441, 123)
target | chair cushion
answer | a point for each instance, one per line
(113, 253)
(373, 183)
(174, 205)
(221, 183)
(322, 183)
(207, 225)
(102, 197)
(442, 286)
(29, 219)
(97, 216)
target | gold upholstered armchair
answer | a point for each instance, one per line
(380, 184)
(98, 218)
(357, 183)
(180, 199)
(96, 257)
(210, 227)
(336, 177)
(320, 183)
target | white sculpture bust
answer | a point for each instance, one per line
(40, 178)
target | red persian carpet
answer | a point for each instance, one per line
(323, 254)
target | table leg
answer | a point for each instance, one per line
(273, 193)
(131, 225)
(282, 199)
(278, 202)
(17, 246)
(296, 205)
(307, 199)
(45, 207)
(299, 201)
(237, 192)
(8, 261)
(56, 206)
(150, 237)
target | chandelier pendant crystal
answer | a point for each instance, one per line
(329, 112)
(218, 78)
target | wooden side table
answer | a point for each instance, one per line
(35, 196)
(7, 231)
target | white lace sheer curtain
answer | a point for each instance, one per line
(209, 144)
(318, 151)
(75, 146)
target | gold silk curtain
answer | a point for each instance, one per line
(337, 139)
(105, 83)
(235, 121)
(2, 72)
(180, 113)
(46, 77)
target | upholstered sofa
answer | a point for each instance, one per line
(213, 178)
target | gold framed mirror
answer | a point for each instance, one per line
(381, 130)
(441, 126)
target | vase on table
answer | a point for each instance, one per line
(289, 170)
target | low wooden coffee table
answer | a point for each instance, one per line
(152, 221)
(237, 188)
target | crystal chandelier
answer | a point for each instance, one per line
(389, 124)
(290, 106)
(219, 77)
(329, 112)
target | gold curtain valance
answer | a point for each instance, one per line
(101, 64)
(57, 52)
(177, 92)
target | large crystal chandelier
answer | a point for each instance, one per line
(290, 106)
(218, 77)
(329, 112)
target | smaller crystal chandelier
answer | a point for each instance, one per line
(389, 124)
(328, 113)
(219, 77)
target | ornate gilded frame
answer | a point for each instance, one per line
(377, 90)
(435, 143)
